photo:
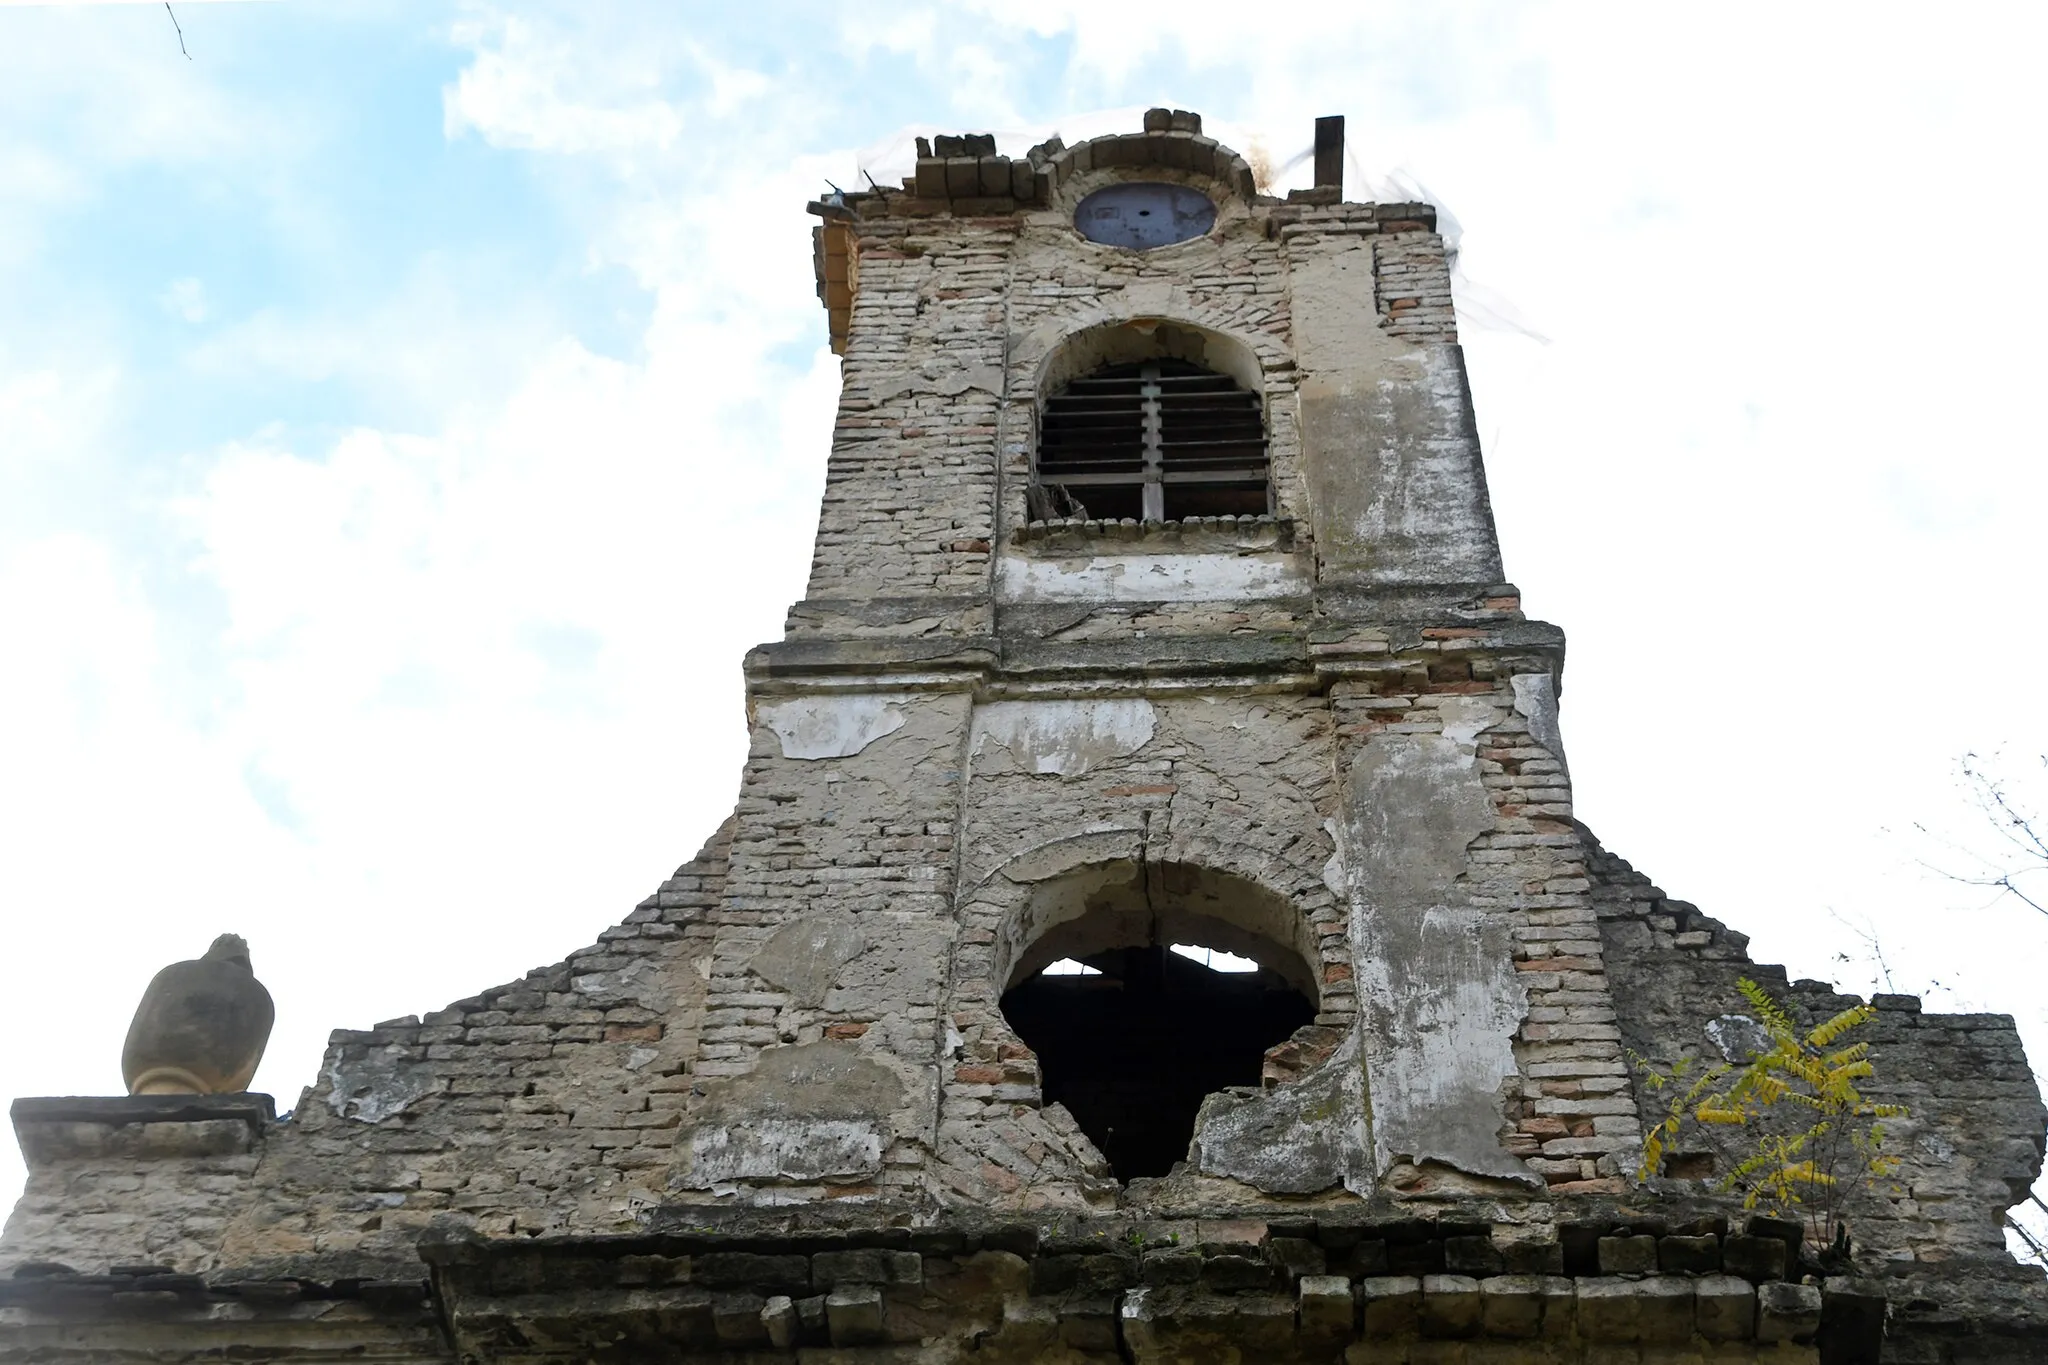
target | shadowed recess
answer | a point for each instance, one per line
(1133, 1049)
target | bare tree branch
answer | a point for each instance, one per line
(1873, 949)
(175, 24)
(2023, 833)
(2033, 1242)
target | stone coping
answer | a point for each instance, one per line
(1201, 532)
(138, 1129)
(247, 1105)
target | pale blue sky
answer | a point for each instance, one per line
(410, 413)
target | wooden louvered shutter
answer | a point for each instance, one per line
(1212, 445)
(1153, 442)
(1092, 442)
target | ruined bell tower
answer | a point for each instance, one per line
(1157, 601)
(1153, 925)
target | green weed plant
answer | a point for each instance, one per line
(1791, 1129)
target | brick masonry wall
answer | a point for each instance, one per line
(1236, 785)
(1572, 1116)
(909, 485)
(1972, 1143)
(1361, 768)
(953, 323)
(1414, 282)
(593, 1090)
(545, 1103)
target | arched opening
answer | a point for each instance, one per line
(1151, 422)
(1144, 989)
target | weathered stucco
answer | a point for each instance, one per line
(1442, 999)
(1150, 578)
(1536, 702)
(804, 1113)
(1063, 737)
(829, 725)
(1312, 1137)
(804, 956)
(1393, 461)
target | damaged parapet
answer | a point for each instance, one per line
(1153, 924)
(964, 174)
(967, 175)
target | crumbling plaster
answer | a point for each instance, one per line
(808, 1112)
(1184, 577)
(1065, 738)
(831, 725)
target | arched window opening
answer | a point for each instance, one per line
(1145, 986)
(1133, 1047)
(1159, 440)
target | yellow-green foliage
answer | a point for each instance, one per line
(1792, 1124)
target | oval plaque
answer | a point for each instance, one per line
(1144, 214)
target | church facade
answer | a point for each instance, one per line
(1153, 925)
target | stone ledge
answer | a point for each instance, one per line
(247, 1105)
(53, 1129)
(1183, 532)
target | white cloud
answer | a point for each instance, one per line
(512, 92)
(184, 298)
(48, 415)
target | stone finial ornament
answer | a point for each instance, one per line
(201, 1026)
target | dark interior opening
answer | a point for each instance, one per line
(1131, 1052)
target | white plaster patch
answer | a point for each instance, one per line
(1305, 1137)
(782, 1149)
(639, 983)
(371, 1089)
(1439, 995)
(1064, 737)
(1149, 578)
(832, 726)
(1536, 699)
(1465, 719)
(1078, 849)
(1334, 875)
(1738, 1037)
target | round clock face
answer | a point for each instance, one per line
(1144, 214)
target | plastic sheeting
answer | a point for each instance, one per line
(1281, 163)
